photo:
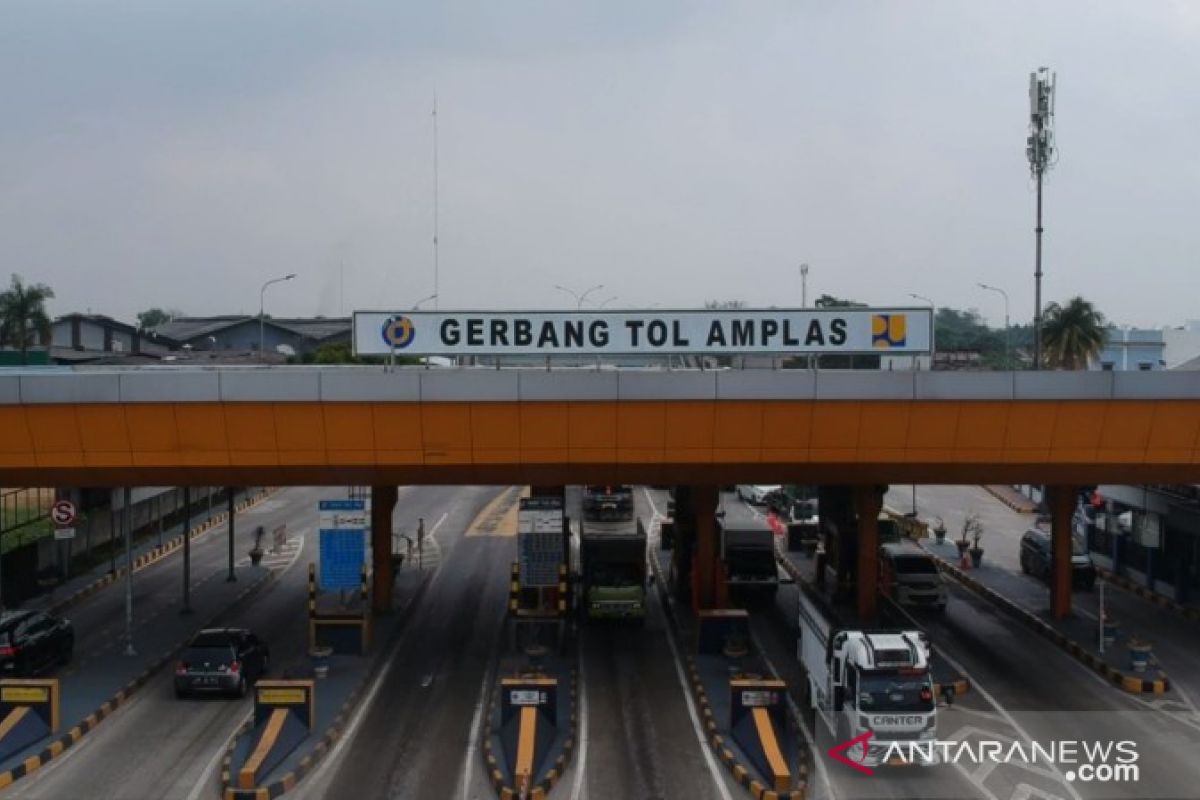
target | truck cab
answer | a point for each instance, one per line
(607, 502)
(910, 576)
(860, 681)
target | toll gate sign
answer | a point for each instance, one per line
(343, 535)
(539, 541)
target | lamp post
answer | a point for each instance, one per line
(261, 319)
(580, 298)
(1007, 331)
(932, 326)
(607, 301)
(804, 285)
(417, 305)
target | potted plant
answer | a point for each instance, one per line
(1110, 630)
(976, 551)
(320, 657)
(256, 552)
(968, 527)
(939, 530)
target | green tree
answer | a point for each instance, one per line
(153, 317)
(829, 301)
(1072, 334)
(724, 305)
(335, 353)
(23, 318)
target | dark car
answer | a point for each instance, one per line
(33, 641)
(1036, 558)
(225, 660)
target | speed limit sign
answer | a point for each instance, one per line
(62, 513)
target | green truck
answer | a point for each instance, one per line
(613, 565)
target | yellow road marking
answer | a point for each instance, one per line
(526, 744)
(246, 777)
(10, 722)
(780, 773)
(499, 517)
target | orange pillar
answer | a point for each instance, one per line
(705, 573)
(1062, 509)
(868, 500)
(383, 501)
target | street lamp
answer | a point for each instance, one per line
(1007, 331)
(261, 320)
(606, 302)
(932, 329)
(804, 285)
(580, 298)
(417, 305)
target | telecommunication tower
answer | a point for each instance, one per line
(1039, 149)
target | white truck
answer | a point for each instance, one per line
(860, 681)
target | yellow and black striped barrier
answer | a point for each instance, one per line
(757, 722)
(524, 737)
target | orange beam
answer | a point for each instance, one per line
(248, 774)
(781, 776)
(526, 746)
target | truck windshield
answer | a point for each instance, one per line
(890, 691)
(914, 565)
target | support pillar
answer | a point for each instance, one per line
(383, 502)
(684, 546)
(1062, 509)
(705, 572)
(836, 509)
(868, 501)
(232, 513)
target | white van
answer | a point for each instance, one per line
(910, 576)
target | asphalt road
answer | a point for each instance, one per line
(161, 747)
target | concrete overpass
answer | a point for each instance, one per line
(361, 425)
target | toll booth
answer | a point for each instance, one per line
(28, 713)
(343, 627)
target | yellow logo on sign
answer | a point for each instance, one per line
(889, 330)
(24, 694)
(398, 331)
(282, 697)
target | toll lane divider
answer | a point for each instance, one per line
(289, 780)
(62, 743)
(158, 553)
(1187, 612)
(542, 788)
(741, 774)
(960, 685)
(1135, 684)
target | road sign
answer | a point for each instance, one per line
(343, 534)
(62, 513)
(64, 533)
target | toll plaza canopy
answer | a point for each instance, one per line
(364, 425)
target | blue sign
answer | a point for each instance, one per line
(343, 543)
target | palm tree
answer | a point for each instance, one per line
(23, 318)
(1072, 335)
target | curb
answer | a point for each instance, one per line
(542, 787)
(62, 743)
(1130, 683)
(1187, 612)
(332, 733)
(1028, 507)
(156, 554)
(741, 775)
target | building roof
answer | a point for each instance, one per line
(99, 319)
(1191, 365)
(315, 328)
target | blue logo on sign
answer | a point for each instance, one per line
(398, 332)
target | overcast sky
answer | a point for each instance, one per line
(178, 154)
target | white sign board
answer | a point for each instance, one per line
(64, 533)
(904, 331)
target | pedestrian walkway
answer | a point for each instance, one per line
(67, 593)
(1079, 633)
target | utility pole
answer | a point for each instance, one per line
(128, 526)
(187, 549)
(1007, 326)
(804, 285)
(231, 577)
(436, 265)
(1039, 149)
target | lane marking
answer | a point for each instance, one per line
(473, 735)
(581, 756)
(718, 778)
(204, 777)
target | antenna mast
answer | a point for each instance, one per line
(436, 265)
(1039, 149)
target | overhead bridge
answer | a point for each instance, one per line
(312, 426)
(362, 425)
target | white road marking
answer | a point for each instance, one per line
(581, 758)
(717, 778)
(976, 686)
(473, 735)
(202, 781)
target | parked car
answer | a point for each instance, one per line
(221, 660)
(756, 494)
(1036, 558)
(33, 641)
(910, 576)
